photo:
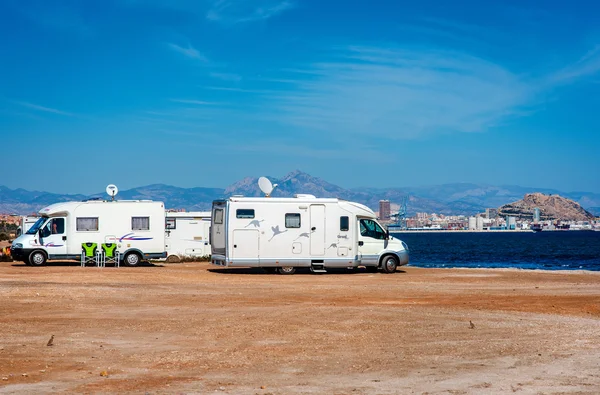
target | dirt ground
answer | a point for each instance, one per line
(193, 328)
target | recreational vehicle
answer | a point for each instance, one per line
(136, 226)
(282, 234)
(187, 234)
(25, 222)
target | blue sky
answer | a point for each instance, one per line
(360, 93)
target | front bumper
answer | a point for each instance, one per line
(402, 258)
(20, 254)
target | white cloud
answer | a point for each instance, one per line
(42, 108)
(196, 102)
(401, 93)
(226, 76)
(188, 51)
(233, 12)
(587, 65)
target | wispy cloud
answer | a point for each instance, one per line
(587, 65)
(400, 93)
(226, 76)
(188, 51)
(233, 12)
(42, 108)
(196, 102)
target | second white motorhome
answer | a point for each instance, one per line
(285, 233)
(26, 222)
(187, 235)
(136, 226)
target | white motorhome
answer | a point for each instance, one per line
(187, 234)
(281, 234)
(136, 226)
(26, 222)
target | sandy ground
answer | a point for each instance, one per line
(189, 328)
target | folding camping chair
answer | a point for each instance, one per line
(89, 254)
(110, 254)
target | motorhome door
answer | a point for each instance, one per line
(317, 229)
(217, 231)
(54, 236)
(371, 241)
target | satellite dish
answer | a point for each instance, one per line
(265, 186)
(112, 191)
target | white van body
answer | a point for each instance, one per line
(303, 231)
(26, 222)
(137, 226)
(187, 234)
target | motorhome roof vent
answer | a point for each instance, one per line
(304, 196)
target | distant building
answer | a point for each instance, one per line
(384, 209)
(491, 213)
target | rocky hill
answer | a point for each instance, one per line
(553, 207)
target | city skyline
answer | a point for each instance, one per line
(384, 94)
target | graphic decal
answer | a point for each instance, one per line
(51, 244)
(333, 245)
(133, 237)
(276, 231)
(305, 234)
(255, 223)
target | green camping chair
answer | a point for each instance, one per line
(89, 253)
(110, 254)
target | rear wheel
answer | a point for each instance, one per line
(389, 264)
(286, 270)
(37, 258)
(173, 259)
(132, 259)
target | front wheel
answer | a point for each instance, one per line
(390, 263)
(132, 259)
(286, 270)
(37, 258)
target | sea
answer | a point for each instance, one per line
(562, 250)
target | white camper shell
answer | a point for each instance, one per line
(187, 234)
(136, 226)
(285, 233)
(26, 222)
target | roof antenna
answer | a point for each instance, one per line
(112, 191)
(265, 186)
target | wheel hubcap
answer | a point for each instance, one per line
(38, 259)
(132, 259)
(390, 264)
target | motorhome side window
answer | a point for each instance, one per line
(218, 216)
(244, 213)
(344, 223)
(170, 223)
(370, 228)
(140, 223)
(292, 220)
(86, 224)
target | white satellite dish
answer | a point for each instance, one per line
(265, 186)
(112, 191)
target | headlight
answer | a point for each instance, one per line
(17, 245)
(405, 246)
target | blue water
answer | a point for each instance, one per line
(571, 250)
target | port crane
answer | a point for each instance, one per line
(400, 216)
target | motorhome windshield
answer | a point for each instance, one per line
(38, 224)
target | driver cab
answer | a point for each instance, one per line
(372, 240)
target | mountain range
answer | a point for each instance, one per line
(448, 199)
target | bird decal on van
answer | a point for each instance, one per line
(276, 231)
(255, 223)
(305, 234)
